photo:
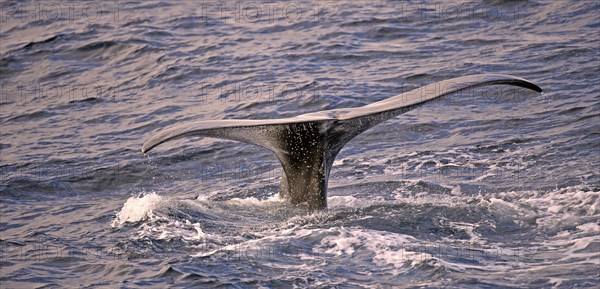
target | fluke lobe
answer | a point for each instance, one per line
(307, 144)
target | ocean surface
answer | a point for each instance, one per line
(497, 187)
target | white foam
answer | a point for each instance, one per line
(424, 197)
(242, 248)
(505, 207)
(388, 248)
(185, 230)
(456, 191)
(589, 227)
(352, 202)
(149, 209)
(559, 211)
(276, 198)
(138, 208)
(554, 209)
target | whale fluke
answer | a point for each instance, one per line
(306, 145)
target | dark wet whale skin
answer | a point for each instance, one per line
(306, 145)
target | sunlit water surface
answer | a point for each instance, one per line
(497, 187)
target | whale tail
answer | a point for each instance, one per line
(306, 145)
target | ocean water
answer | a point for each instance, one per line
(497, 187)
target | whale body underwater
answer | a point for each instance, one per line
(306, 145)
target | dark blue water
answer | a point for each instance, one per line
(495, 187)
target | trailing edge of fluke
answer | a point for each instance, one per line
(307, 144)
